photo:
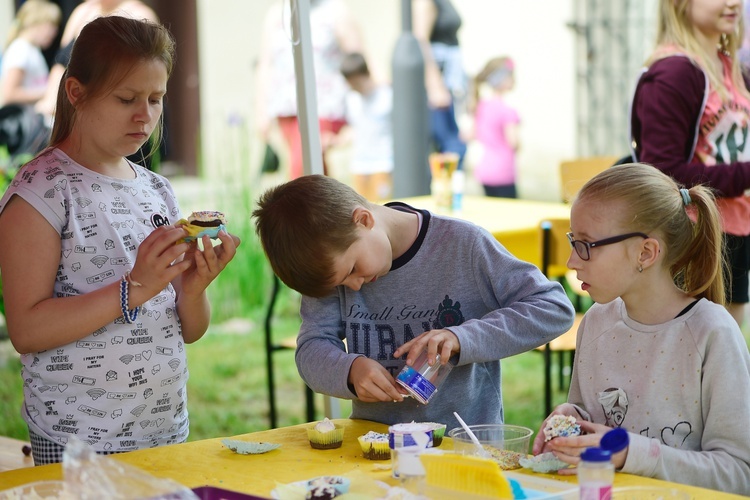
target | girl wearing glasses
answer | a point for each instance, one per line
(657, 354)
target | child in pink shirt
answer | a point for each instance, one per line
(496, 128)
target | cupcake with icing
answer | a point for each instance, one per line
(438, 432)
(375, 446)
(561, 425)
(325, 435)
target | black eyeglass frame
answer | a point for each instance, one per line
(586, 246)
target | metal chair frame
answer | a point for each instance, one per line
(271, 349)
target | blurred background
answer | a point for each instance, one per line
(576, 64)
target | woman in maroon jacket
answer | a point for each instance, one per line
(690, 118)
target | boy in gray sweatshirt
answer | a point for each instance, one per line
(393, 280)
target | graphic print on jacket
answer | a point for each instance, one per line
(123, 386)
(614, 402)
(448, 313)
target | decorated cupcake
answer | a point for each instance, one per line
(438, 431)
(375, 446)
(204, 223)
(325, 435)
(561, 425)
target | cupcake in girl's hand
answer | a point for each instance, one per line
(561, 425)
(325, 435)
(205, 223)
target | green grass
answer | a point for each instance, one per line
(227, 392)
(227, 388)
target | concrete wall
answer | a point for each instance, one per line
(533, 33)
(6, 17)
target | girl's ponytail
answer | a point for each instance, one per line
(701, 267)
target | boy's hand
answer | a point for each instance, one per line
(444, 342)
(372, 382)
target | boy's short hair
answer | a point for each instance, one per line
(303, 225)
(354, 64)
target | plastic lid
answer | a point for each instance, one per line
(596, 455)
(615, 440)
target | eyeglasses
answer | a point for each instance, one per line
(583, 248)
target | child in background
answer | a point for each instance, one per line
(101, 293)
(657, 354)
(24, 72)
(690, 115)
(335, 33)
(393, 280)
(369, 118)
(496, 129)
(85, 12)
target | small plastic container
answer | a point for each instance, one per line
(406, 463)
(422, 380)
(412, 438)
(596, 474)
(458, 181)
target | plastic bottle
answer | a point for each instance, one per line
(457, 190)
(596, 473)
(422, 379)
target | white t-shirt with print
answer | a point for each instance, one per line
(123, 386)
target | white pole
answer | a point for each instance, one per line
(307, 103)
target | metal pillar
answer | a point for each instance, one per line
(307, 102)
(411, 172)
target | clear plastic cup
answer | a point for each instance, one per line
(422, 380)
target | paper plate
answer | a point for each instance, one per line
(545, 462)
(248, 447)
(298, 489)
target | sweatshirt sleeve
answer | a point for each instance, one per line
(526, 308)
(723, 463)
(666, 107)
(321, 357)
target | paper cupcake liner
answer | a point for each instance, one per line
(438, 432)
(372, 450)
(326, 440)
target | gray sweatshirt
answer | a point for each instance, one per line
(681, 389)
(455, 276)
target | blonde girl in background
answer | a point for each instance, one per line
(691, 114)
(24, 71)
(657, 354)
(496, 125)
(83, 14)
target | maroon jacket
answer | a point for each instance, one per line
(666, 110)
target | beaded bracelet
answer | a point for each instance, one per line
(130, 316)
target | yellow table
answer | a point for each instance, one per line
(514, 223)
(208, 462)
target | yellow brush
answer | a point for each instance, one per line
(468, 474)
